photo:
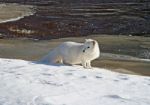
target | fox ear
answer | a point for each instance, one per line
(94, 42)
(88, 40)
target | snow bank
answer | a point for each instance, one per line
(29, 83)
(13, 12)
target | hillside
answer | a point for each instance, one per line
(65, 18)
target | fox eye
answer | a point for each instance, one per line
(88, 47)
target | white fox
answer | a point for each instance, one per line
(74, 53)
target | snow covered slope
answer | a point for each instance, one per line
(28, 83)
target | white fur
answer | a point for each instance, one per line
(74, 53)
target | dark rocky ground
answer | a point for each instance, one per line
(65, 18)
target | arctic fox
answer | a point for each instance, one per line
(74, 53)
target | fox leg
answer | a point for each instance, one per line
(89, 64)
(60, 60)
(84, 64)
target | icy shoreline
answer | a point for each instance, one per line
(13, 12)
(123, 57)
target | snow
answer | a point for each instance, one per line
(31, 83)
(13, 12)
(15, 19)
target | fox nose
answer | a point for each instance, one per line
(83, 50)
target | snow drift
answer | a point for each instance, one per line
(29, 83)
(13, 12)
